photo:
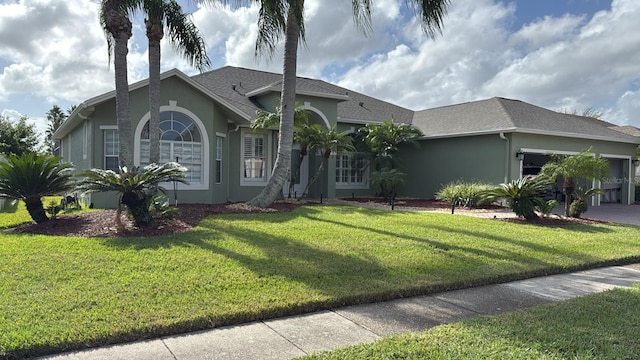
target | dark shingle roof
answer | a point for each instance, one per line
(505, 115)
(233, 84)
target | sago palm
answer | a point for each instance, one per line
(520, 194)
(30, 177)
(136, 188)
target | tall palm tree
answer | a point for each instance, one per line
(272, 22)
(114, 19)
(584, 166)
(286, 16)
(186, 39)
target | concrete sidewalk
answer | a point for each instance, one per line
(293, 336)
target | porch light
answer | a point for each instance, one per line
(635, 162)
(520, 155)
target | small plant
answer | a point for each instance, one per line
(580, 205)
(387, 179)
(520, 194)
(161, 208)
(53, 209)
(545, 207)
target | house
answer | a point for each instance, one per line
(206, 118)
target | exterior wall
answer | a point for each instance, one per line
(441, 161)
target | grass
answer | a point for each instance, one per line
(599, 326)
(59, 293)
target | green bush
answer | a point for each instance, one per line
(545, 206)
(461, 193)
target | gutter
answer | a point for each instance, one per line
(506, 156)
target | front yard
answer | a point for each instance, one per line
(59, 293)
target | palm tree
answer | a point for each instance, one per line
(114, 19)
(384, 140)
(272, 22)
(328, 141)
(30, 177)
(185, 38)
(584, 166)
(280, 16)
(520, 194)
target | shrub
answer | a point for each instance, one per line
(520, 194)
(387, 179)
(461, 193)
(546, 206)
(136, 188)
(580, 205)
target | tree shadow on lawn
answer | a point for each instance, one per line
(496, 254)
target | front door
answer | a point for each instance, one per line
(299, 176)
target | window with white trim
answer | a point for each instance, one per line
(111, 149)
(352, 171)
(254, 157)
(180, 141)
(219, 142)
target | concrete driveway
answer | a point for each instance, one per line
(622, 214)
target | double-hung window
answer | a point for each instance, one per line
(111, 149)
(254, 157)
(352, 171)
(219, 142)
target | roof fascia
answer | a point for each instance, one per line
(535, 132)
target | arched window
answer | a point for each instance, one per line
(180, 140)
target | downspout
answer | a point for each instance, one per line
(227, 175)
(506, 157)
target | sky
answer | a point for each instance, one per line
(563, 55)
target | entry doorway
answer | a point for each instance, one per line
(298, 176)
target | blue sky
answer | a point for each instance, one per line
(559, 54)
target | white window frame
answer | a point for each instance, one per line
(244, 132)
(173, 106)
(219, 157)
(104, 130)
(352, 185)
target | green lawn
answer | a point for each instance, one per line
(599, 326)
(67, 293)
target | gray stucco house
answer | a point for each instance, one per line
(205, 123)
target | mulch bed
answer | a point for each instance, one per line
(102, 223)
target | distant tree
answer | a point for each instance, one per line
(55, 118)
(18, 138)
(588, 112)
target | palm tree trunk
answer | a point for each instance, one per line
(568, 188)
(121, 37)
(283, 160)
(36, 210)
(155, 34)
